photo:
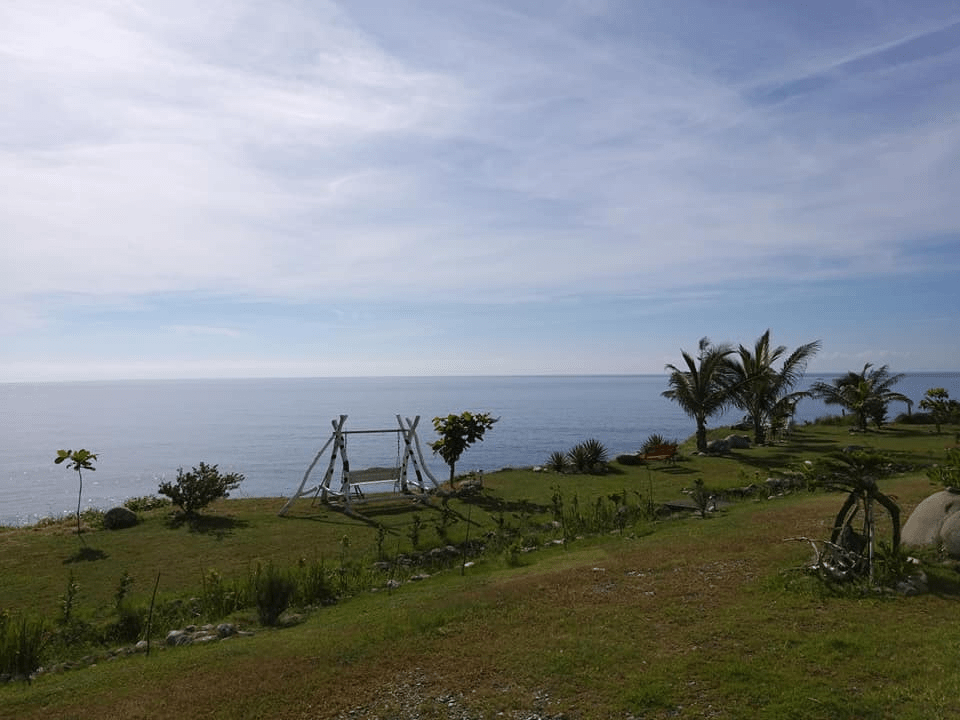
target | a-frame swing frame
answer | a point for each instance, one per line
(351, 485)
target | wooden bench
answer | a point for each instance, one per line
(667, 452)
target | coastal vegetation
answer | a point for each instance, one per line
(765, 390)
(704, 388)
(866, 394)
(941, 408)
(457, 433)
(621, 595)
(196, 489)
(758, 380)
(79, 461)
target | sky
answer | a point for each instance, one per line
(247, 188)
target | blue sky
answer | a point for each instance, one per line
(235, 189)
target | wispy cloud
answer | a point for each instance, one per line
(329, 154)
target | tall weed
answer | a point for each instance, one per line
(22, 641)
(274, 591)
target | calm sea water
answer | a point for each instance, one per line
(270, 430)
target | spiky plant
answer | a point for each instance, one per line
(588, 456)
(653, 440)
(557, 461)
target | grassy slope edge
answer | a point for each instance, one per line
(696, 619)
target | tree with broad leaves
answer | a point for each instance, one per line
(866, 394)
(937, 402)
(78, 460)
(703, 389)
(196, 489)
(457, 433)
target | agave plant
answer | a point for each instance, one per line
(557, 461)
(588, 456)
(653, 440)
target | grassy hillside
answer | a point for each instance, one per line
(656, 617)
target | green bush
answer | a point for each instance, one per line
(917, 418)
(588, 456)
(198, 488)
(274, 589)
(220, 598)
(834, 420)
(145, 503)
(22, 641)
(130, 624)
(314, 584)
(947, 473)
(653, 440)
(557, 461)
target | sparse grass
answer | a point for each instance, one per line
(682, 618)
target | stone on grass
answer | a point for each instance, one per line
(738, 442)
(935, 522)
(119, 518)
(718, 447)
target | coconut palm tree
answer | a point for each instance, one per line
(764, 391)
(702, 390)
(866, 394)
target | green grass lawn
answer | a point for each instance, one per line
(673, 617)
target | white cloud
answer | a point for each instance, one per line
(321, 152)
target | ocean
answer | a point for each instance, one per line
(270, 430)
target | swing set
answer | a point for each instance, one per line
(359, 484)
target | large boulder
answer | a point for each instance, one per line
(935, 522)
(718, 447)
(119, 518)
(738, 442)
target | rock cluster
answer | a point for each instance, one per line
(204, 633)
(189, 635)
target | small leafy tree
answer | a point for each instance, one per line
(457, 433)
(938, 403)
(198, 488)
(78, 460)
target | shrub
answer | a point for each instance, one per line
(557, 461)
(314, 583)
(274, 591)
(588, 456)
(145, 503)
(948, 472)
(834, 420)
(653, 440)
(198, 488)
(131, 623)
(21, 644)
(220, 597)
(917, 418)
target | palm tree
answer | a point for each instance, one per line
(702, 390)
(765, 392)
(866, 394)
